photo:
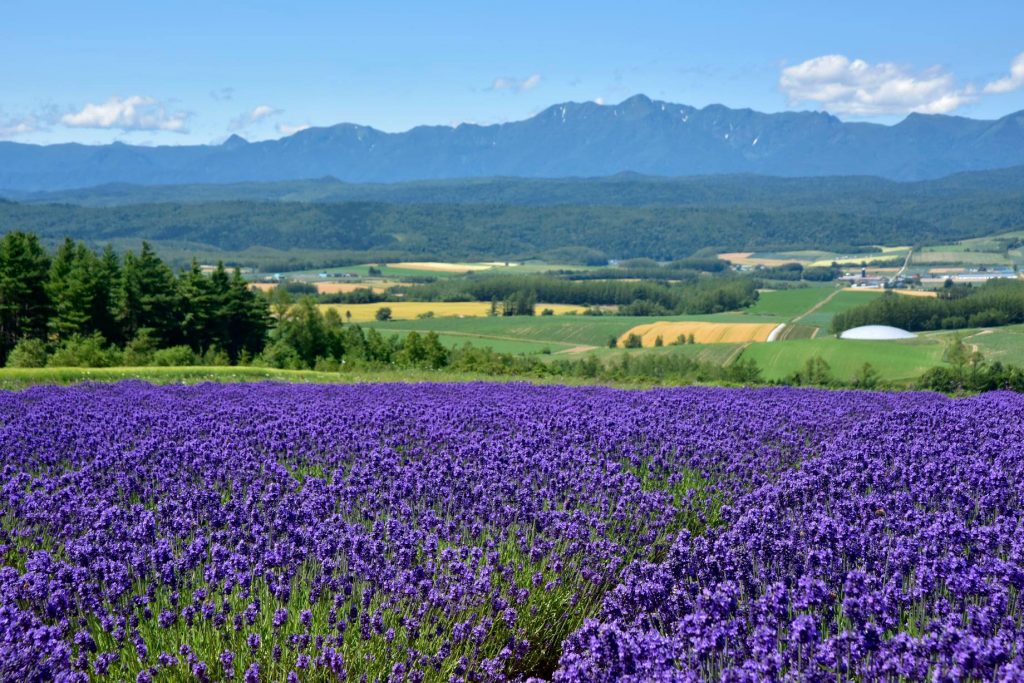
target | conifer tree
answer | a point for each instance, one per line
(24, 304)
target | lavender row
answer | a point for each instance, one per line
(894, 551)
(497, 532)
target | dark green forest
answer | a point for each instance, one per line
(857, 193)
(997, 302)
(447, 232)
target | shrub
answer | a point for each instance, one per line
(215, 356)
(139, 351)
(84, 352)
(175, 356)
(28, 353)
(281, 355)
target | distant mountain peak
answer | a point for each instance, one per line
(580, 139)
(235, 141)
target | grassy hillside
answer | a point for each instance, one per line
(788, 303)
(894, 360)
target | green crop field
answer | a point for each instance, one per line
(791, 332)
(842, 301)
(784, 304)
(453, 340)
(894, 360)
(565, 329)
(1003, 344)
(959, 255)
(572, 330)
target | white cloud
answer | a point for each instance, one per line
(262, 112)
(259, 113)
(1012, 82)
(286, 129)
(845, 86)
(130, 113)
(13, 127)
(599, 100)
(516, 84)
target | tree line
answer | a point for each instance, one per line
(78, 298)
(997, 302)
(501, 231)
(703, 295)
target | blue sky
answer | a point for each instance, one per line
(194, 72)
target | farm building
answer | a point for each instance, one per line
(876, 332)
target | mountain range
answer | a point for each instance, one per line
(638, 135)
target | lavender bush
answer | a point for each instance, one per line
(497, 532)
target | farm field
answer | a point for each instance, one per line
(947, 255)
(749, 258)
(346, 287)
(421, 269)
(575, 330)
(702, 332)
(811, 257)
(497, 532)
(894, 360)
(783, 304)
(411, 310)
(856, 259)
(443, 267)
(1003, 344)
(453, 340)
(927, 293)
(772, 307)
(842, 300)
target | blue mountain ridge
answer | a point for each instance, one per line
(573, 139)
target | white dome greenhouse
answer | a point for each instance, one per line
(876, 332)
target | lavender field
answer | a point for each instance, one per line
(506, 532)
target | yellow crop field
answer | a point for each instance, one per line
(905, 292)
(703, 332)
(343, 287)
(410, 310)
(441, 267)
(743, 258)
(322, 287)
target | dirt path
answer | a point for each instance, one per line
(735, 355)
(906, 262)
(974, 347)
(582, 348)
(814, 308)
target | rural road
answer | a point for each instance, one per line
(814, 308)
(906, 262)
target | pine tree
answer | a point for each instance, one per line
(107, 297)
(245, 316)
(149, 297)
(24, 304)
(78, 292)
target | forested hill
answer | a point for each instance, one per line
(855, 193)
(485, 231)
(570, 139)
